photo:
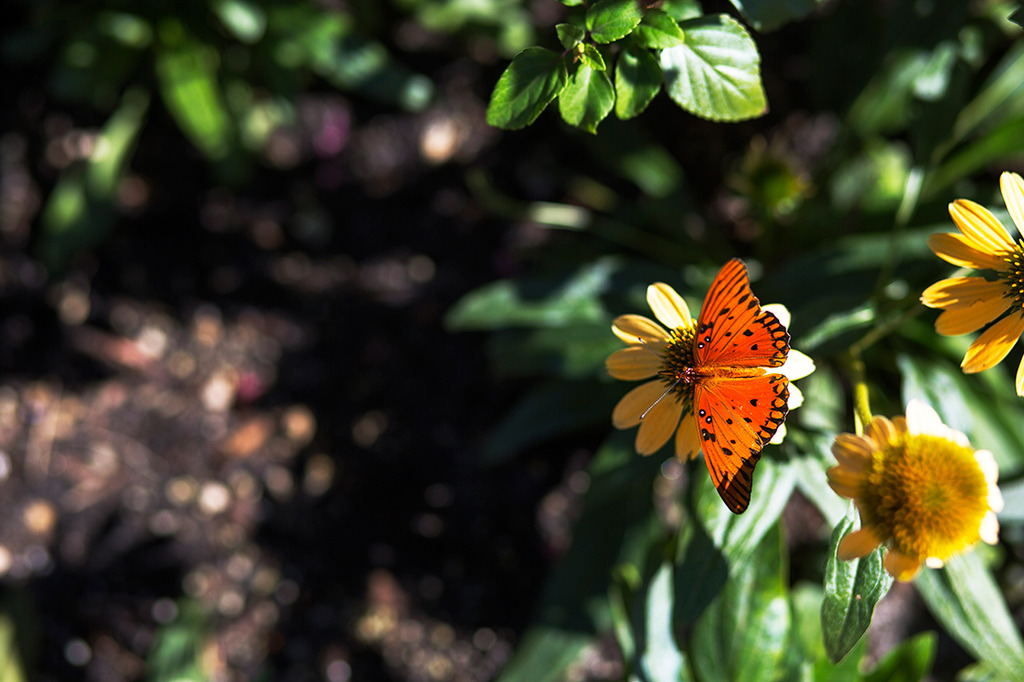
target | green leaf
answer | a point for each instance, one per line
(569, 36)
(745, 632)
(573, 352)
(964, 597)
(542, 301)
(852, 588)
(610, 20)
(246, 20)
(716, 73)
(637, 81)
(591, 56)
(658, 655)
(658, 30)
(768, 15)
(531, 81)
(587, 99)
(908, 661)
(176, 654)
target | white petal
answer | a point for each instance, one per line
(922, 419)
(780, 311)
(796, 397)
(989, 529)
(988, 466)
(797, 365)
(934, 562)
(780, 434)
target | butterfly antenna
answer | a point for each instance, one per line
(661, 397)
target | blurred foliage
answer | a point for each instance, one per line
(829, 196)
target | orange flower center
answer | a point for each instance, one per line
(677, 361)
(926, 493)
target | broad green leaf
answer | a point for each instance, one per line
(768, 15)
(852, 588)
(660, 657)
(569, 36)
(610, 20)
(658, 30)
(637, 80)
(531, 81)
(187, 73)
(716, 73)
(908, 661)
(573, 352)
(587, 99)
(614, 528)
(743, 635)
(967, 601)
(550, 301)
(805, 656)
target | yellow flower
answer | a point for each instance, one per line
(665, 406)
(920, 488)
(970, 303)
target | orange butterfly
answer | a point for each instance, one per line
(737, 404)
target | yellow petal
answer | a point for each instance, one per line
(632, 328)
(956, 249)
(882, 431)
(993, 344)
(901, 566)
(1012, 187)
(962, 292)
(668, 306)
(657, 426)
(1020, 378)
(845, 481)
(635, 362)
(627, 413)
(857, 544)
(981, 228)
(852, 450)
(687, 439)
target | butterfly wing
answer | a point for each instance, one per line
(736, 417)
(733, 330)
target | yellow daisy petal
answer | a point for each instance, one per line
(956, 249)
(980, 227)
(635, 362)
(901, 566)
(1020, 378)
(687, 438)
(857, 544)
(881, 431)
(1012, 187)
(668, 306)
(845, 481)
(632, 405)
(632, 328)
(992, 346)
(852, 450)
(962, 292)
(657, 426)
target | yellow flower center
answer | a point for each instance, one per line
(1014, 275)
(677, 361)
(927, 493)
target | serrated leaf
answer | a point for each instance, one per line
(964, 597)
(744, 634)
(852, 588)
(716, 73)
(587, 99)
(568, 35)
(637, 81)
(658, 30)
(610, 20)
(527, 86)
(591, 57)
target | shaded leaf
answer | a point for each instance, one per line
(658, 30)
(637, 80)
(531, 81)
(569, 36)
(908, 661)
(768, 15)
(716, 73)
(852, 588)
(587, 99)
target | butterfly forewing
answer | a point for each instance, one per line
(736, 418)
(733, 330)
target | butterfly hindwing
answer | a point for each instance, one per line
(736, 418)
(733, 330)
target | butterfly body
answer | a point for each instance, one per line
(738, 403)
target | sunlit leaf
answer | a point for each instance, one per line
(531, 81)
(967, 601)
(587, 99)
(852, 588)
(591, 56)
(637, 80)
(610, 20)
(716, 73)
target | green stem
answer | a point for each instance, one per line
(883, 330)
(861, 403)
